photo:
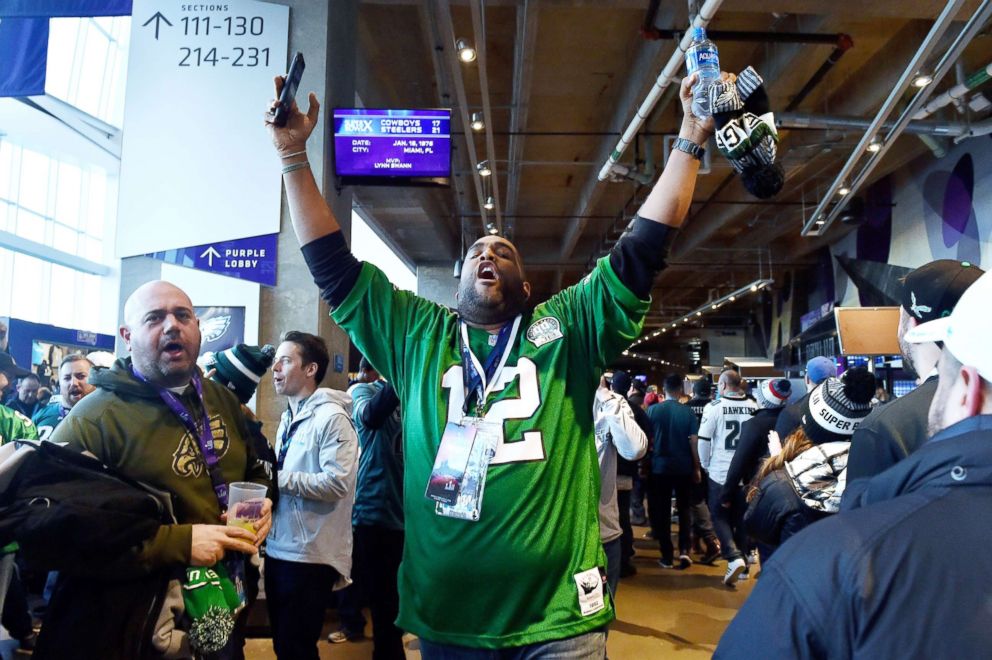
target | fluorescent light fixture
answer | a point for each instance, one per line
(478, 123)
(483, 168)
(465, 51)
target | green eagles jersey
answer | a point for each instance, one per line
(507, 579)
(15, 426)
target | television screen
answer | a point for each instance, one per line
(392, 143)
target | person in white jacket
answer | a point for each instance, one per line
(617, 432)
(309, 548)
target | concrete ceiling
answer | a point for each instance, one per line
(563, 79)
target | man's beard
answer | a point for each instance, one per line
(473, 308)
(935, 417)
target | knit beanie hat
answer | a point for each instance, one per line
(241, 367)
(773, 393)
(746, 133)
(834, 410)
(211, 602)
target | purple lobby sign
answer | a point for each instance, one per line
(252, 259)
(390, 143)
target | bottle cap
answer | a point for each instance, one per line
(698, 34)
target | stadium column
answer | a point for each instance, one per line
(326, 34)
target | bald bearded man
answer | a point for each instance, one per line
(156, 420)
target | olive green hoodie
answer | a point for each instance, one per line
(126, 425)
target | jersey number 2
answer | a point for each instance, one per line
(528, 448)
(733, 430)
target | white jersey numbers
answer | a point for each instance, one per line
(529, 447)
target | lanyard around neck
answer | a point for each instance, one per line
(480, 380)
(201, 432)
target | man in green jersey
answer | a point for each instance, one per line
(74, 374)
(520, 569)
(13, 425)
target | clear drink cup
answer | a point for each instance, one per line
(244, 504)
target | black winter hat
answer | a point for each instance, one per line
(241, 367)
(835, 409)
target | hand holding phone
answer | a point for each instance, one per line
(288, 95)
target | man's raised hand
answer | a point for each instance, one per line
(291, 138)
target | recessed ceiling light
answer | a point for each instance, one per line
(465, 51)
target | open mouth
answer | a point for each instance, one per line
(173, 349)
(487, 272)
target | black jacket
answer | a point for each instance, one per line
(884, 580)
(889, 434)
(71, 513)
(790, 419)
(752, 447)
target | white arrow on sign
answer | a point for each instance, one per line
(210, 253)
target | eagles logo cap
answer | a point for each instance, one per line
(965, 331)
(932, 290)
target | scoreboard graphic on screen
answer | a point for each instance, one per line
(392, 143)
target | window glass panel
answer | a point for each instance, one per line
(65, 239)
(27, 297)
(30, 226)
(33, 192)
(62, 300)
(91, 249)
(6, 169)
(67, 194)
(97, 198)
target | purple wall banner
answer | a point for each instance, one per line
(251, 258)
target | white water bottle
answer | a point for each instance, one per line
(702, 58)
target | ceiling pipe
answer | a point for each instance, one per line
(844, 44)
(804, 121)
(675, 63)
(523, 68)
(955, 93)
(822, 218)
(755, 37)
(479, 27)
(448, 38)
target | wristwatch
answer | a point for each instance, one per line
(689, 147)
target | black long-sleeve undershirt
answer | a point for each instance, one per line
(380, 407)
(636, 258)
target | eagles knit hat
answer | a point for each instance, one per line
(931, 291)
(834, 410)
(773, 393)
(241, 367)
(819, 369)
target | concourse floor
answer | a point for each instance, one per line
(661, 613)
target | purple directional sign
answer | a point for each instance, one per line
(251, 258)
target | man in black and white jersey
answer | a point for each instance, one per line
(719, 433)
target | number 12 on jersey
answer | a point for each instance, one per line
(530, 447)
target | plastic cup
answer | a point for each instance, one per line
(244, 504)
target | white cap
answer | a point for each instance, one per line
(965, 331)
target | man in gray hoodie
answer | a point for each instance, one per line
(309, 549)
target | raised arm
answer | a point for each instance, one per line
(671, 196)
(312, 217)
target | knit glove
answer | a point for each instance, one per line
(211, 602)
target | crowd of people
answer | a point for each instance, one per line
(474, 487)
